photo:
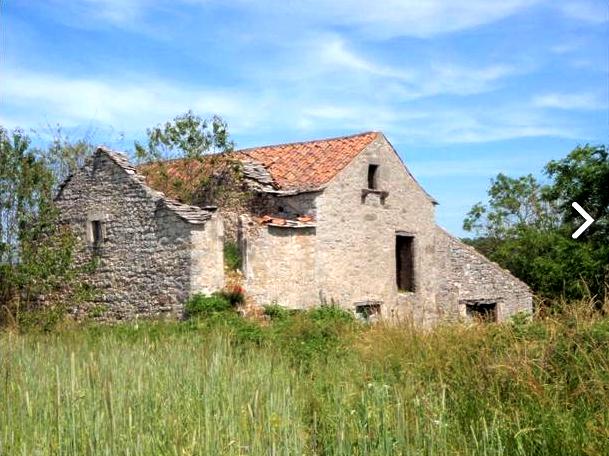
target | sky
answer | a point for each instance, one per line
(462, 89)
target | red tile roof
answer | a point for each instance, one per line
(301, 166)
(310, 164)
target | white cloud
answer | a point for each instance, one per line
(580, 101)
(381, 18)
(32, 99)
(333, 52)
(125, 104)
(328, 57)
(417, 18)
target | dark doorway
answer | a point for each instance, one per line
(404, 257)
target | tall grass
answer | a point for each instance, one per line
(307, 384)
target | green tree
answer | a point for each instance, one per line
(202, 171)
(186, 136)
(583, 176)
(526, 227)
(64, 155)
(513, 203)
(35, 249)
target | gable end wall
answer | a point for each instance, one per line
(145, 264)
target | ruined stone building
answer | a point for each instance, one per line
(336, 221)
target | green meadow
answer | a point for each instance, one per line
(314, 383)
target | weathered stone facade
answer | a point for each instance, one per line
(349, 256)
(339, 220)
(151, 252)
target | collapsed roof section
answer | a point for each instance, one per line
(190, 214)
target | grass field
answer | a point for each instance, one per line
(308, 384)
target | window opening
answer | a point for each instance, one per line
(372, 176)
(404, 256)
(484, 312)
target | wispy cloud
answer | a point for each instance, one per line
(387, 18)
(126, 103)
(379, 19)
(329, 60)
(132, 104)
(575, 101)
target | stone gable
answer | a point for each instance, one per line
(151, 252)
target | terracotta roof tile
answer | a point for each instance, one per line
(291, 167)
(311, 164)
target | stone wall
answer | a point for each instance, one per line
(207, 256)
(357, 235)
(466, 276)
(149, 251)
(350, 256)
(279, 264)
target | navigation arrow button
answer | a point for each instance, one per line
(585, 215)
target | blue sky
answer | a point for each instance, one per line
(463, 90)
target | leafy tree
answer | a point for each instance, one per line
(201, 171)
(513, 203)
(35, 250)
(526, 227)
(186, 136)
(583, 176)
(63, 155)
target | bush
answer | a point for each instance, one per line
(233, 294)
(315, 334)
(199, 305)
(331, 313)
(276, 312)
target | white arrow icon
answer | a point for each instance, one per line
(584, 214)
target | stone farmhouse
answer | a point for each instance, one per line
(337, 220)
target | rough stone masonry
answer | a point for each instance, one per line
(340, 220)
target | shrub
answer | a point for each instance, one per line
(202, 305)
(233, 294)
(276, 312)
(314, 334)
(331, 313)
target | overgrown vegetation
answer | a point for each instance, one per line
(37, 275)
(526, 226)
(188, 159)
(309, 383)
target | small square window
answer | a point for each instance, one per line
(368, 310)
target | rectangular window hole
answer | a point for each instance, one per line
(96, 232)
(368, 310)
(372, 177)
(481, 311)
(404, 258)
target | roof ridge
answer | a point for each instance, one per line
(295, 166)
(296, 143)
(245, 150)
